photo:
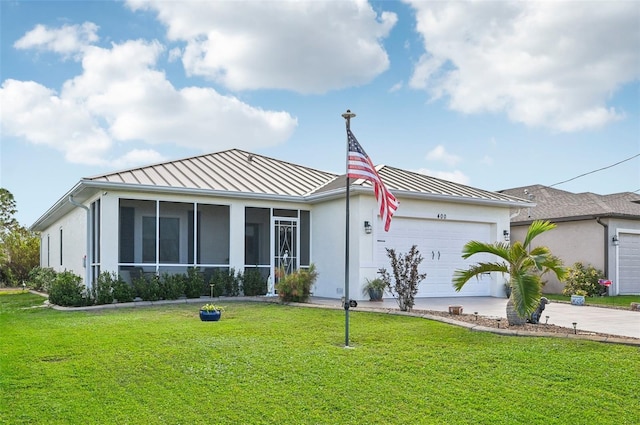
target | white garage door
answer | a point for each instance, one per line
(440, 242)
(629, 263)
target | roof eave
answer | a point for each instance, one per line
(336, 193)
(585, 217)
(58, 208)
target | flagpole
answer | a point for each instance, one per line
(347, 116)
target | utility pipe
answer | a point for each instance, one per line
(89, 261)
(606, 246)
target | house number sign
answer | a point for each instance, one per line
(442, 216)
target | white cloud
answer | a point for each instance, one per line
(456, 176)
(303, 46)
(439, 153)
(138, 156)
(486, 160)
(551, 64)
(396, 87)
(121, 97)
(175, 54)
(67, 40)
(37, 114)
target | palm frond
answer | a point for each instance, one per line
(526, 292)
(535, 229)
(500, 249)
(460, 277)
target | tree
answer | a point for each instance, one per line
(7, 211)
(406, 276)
(19, 247)
(525, 266)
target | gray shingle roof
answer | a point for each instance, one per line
(554, 204)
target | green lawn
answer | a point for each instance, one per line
(274, 364)
(617, 301)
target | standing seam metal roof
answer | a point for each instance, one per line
(238, 171)
(397, 179)
(232, 170)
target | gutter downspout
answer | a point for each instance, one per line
(606, 246)
(88, 261)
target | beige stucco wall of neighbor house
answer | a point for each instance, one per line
(73, 226)
(572, 241)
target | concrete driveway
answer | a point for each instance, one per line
(594, 319)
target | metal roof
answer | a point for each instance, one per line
(229, 171)
(556, 204)
(236, 173)
(403, 182)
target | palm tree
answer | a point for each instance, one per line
(524, 265)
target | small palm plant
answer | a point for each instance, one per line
(525, 266)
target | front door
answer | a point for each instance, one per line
(285, 231)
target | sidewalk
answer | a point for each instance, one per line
(594, 319)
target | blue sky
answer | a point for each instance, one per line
(494, 95)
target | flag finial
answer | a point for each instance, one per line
(348, 115)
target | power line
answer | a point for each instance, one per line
(595, 171)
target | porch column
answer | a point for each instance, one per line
(236, 236)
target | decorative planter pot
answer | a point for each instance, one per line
(577, 299)
(455, 309)
(375, 294)
(210, 316)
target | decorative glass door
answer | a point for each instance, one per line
(285, 232)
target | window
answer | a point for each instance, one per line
(60, 246)
(305, 238)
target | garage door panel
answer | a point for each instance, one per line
(440, 244)
(629, 263)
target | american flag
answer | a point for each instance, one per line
(360, 167)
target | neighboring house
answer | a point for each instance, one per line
(235, 209)
(601, 230)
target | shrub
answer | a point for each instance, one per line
(102, 289)
(406, 276)
(584, 279)
(226, 282)
(253, 283)
(147, 287)
(122, 291)
(194, 285)
(296, 286)
(172, 286)
(41, 278)
(67, 290)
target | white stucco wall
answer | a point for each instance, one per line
(327, 248)
(73, 227)
(329, 238)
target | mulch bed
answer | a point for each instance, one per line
(501, 323)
